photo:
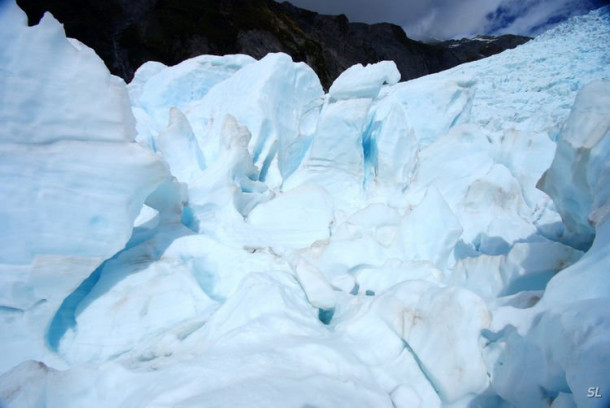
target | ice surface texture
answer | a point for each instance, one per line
(72, 179)
(222, 233)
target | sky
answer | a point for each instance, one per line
(446, 19)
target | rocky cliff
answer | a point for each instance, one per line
(127, 33)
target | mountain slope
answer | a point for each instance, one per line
(126, 34)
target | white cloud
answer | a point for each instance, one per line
(536, 18)
(442, 19)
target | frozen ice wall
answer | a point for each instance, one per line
(571, 331)
(72, 180)
(266, 244)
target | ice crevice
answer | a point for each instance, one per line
(369, 150)
(137, 255)
(65, 317)
(421, 366)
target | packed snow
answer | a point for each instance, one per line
(222, 233)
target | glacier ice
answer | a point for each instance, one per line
(364, 81)
(73, 179)
(425, 241)
(156, 88)
(179, 148)
(566, 345)
(579, 172)
(223, 233)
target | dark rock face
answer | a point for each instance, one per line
(127, 33)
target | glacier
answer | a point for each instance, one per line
(224, 233)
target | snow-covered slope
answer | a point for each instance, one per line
(250, 241)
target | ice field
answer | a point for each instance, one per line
(223, 233)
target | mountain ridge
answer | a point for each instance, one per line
(127, 34)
